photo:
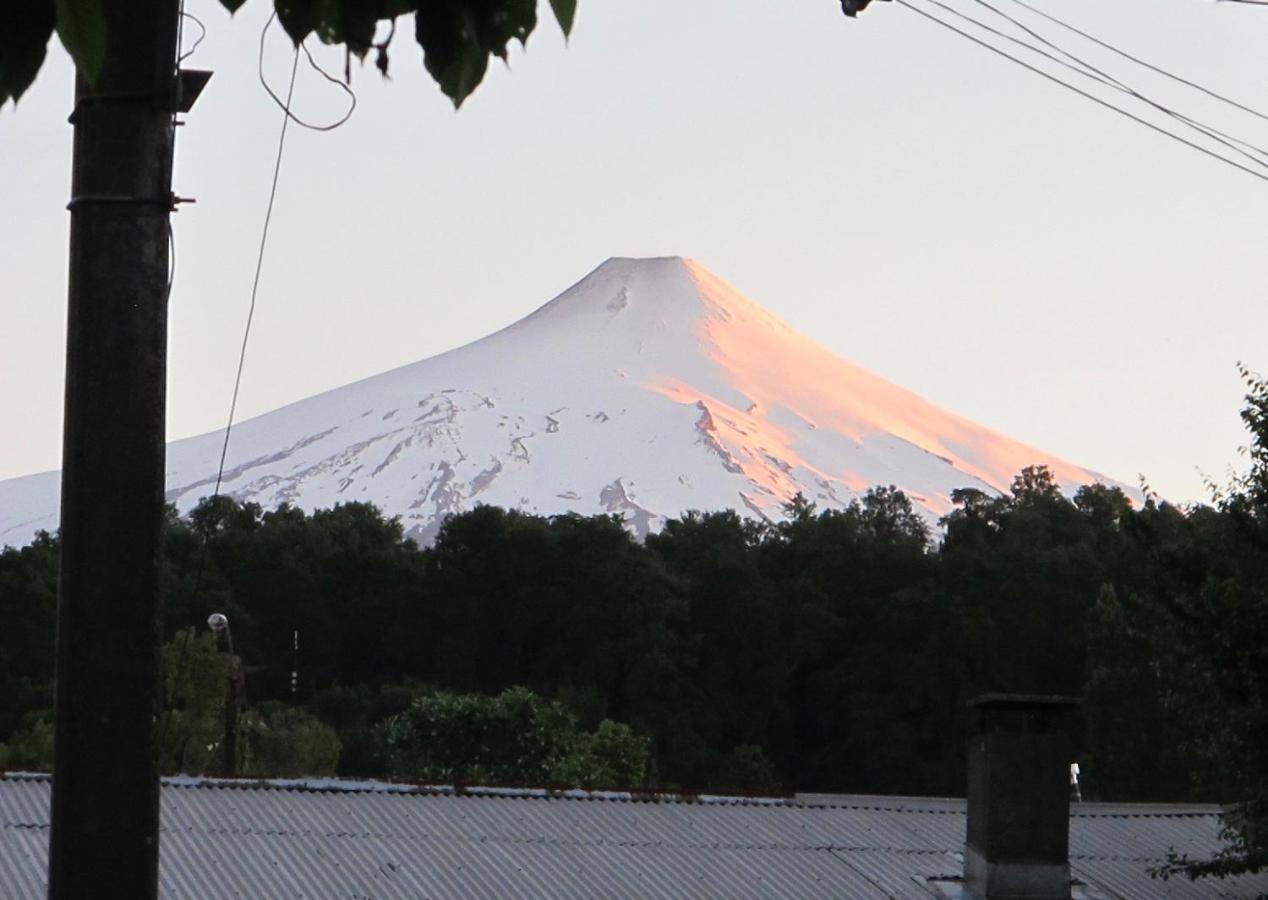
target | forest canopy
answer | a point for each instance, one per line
(833, 650)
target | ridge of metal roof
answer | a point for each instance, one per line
(878, 802)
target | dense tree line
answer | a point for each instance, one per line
(833, 650)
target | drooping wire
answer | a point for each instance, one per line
(287, 117)
(202, 33)
(286, 106)
(1150, 66)
(171, 265)
(237, 383)
(259, 268)
(1065, 84)
(1086, 69)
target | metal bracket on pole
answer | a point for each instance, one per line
(189, 85)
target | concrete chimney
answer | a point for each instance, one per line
(1020, 750)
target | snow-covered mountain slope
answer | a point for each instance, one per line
(648, 388)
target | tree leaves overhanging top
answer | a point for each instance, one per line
(25, 29)
(457, 37)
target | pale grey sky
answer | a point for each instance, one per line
(928, 210)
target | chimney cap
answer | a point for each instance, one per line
(1027, 714)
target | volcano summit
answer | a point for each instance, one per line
(648, 388)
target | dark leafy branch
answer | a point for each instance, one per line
(457, 37)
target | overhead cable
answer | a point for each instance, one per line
(1095, 99)
(259, 267)
(286, 106)
(202, 34)
(1085, 68)
(1150, 66)
(287, 117)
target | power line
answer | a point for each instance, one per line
(1140, 62)
(259, 267)
(1087, 70)
(202, 34)
(1230, 141)
(286, 106)
(246, 334)
(1095, 99)
(287, 118)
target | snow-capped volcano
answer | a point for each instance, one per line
(648, 388)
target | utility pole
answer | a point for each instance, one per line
(105, 807)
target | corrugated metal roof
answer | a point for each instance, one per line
(319, 839)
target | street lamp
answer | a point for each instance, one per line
(234, 701)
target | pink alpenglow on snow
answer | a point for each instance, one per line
(649, 388)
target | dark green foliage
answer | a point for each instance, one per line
(457, 37)
(281, 741)
(28, 609)
(195, 690)
(354, 713)
(612, 756)
(30, 747)
(569, 604)
(737, 672)
(565, 11)
(279, 572)
(1024, 572)
(831, 651)
(81, 24)
(1138, 747)
(276, 740)
(515, 738)
(1212, 590)
(872, 701)
(747, 769)
(25, 29)
(839, 643)
(1251, 490)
